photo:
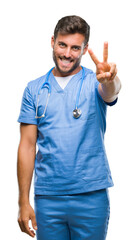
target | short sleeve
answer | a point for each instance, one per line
(112, 103)
(27, 111)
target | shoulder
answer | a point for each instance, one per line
(88, 71)
(34, 85)
(90, 78)
(90, 74)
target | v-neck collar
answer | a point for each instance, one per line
(73, 80)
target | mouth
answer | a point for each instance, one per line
(66, 62)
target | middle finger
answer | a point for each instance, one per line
(105, 52)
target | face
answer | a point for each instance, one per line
(67, 53)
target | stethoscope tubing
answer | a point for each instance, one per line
(78, 95)
(76, 111)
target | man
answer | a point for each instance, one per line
(64, 113)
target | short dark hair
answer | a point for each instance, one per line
(72, 24)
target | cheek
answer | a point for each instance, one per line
(58, 51)
(79, 56)
(76, 56)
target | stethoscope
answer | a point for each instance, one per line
(76, 112)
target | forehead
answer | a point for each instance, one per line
(71, 39)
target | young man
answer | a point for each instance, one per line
(64, 113)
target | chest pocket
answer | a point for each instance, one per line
(53, 106)
(41, 102)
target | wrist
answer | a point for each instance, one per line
(23, 200)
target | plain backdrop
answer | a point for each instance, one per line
(26, 27)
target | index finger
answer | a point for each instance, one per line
(28, 230)
(93, 57)
(105, 52)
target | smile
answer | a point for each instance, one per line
(65, 62)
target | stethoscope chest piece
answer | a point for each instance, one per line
(76, 113)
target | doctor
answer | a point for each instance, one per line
(64, 113)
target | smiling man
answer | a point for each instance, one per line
(64, 113)
(67, 53)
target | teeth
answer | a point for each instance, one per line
(65, 61)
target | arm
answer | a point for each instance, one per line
(25, 167)
(109, 90)
(110, 84)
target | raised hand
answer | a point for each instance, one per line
(104, 71)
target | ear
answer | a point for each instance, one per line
(85, 49)
(52, 41)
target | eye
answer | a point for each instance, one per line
(61, 44)
(76, 48)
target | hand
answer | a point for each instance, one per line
(104, 71)
(26, 213)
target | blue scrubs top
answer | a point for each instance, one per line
(71, 155)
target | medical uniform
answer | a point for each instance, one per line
(71, 162)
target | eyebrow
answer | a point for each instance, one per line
(60, 42)
(78, 46)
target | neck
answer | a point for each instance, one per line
(58, 73)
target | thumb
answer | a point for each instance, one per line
(34, 224)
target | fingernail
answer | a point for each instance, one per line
(108, 74)
(35, 227)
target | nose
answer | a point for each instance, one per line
(67, 53)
